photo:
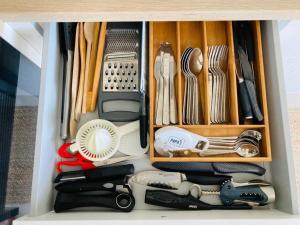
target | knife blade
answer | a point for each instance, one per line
(210, 168)
(247, 72)
(173, 180)
(96, 174)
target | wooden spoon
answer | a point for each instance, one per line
(92, 66)
(89, 36)
(82, 47)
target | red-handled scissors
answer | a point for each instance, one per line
(79, 160)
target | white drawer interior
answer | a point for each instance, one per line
(280, 171)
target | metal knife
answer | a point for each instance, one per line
(143, 88)
(210, 168)
(172, 180)
(247, 72)
(100, 173)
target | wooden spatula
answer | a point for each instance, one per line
(100, 52)
(89, 36)
(92, 66)
(82, 47)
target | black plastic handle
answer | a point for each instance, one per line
(143, 130)
(109, 172)
(83, 186)
(121, 201)
(207, 179)
(171, 200)
(99, 173)
(253, 100)
(244, 100)
(186, 202)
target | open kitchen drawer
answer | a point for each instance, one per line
(280, 170)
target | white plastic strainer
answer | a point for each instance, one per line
(99, 140)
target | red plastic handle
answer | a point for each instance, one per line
(79, 159)
(82, 164)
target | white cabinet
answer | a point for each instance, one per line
(280, 170)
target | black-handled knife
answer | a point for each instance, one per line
(243, 96)
(99, 173)
(249, 81)
(210, 168)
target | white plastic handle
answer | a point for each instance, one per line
(128, 128)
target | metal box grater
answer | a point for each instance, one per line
(119, 94)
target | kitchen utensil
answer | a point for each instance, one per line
(244, 149)
(82, 48)
(217, 60)
(191, 66)
(210, 168)
(121, 201)
(100, 52)
(159, 91)
(251, 135)
(166, 87)
(74, 87)
(119, 93)
(92, 65)
(185, 202)
(67, 44)
(99, 173)
(173, 104)
(172, 180)
(86, 186)
(89, 37)
(254, 192)
(76, 186)
(165, 72)
(143, 87)
(171, 139)
(249, 81)
(195, 67)
(98, 140)
(243, 96)
(77, 160)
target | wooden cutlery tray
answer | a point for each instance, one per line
(203, 34)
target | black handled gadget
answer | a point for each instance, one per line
(186, 202)
(124, 202)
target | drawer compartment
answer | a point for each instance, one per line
(280, 171)
(203, 35)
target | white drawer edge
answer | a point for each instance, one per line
(172, 217)
(278, 117)
(47, 125)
